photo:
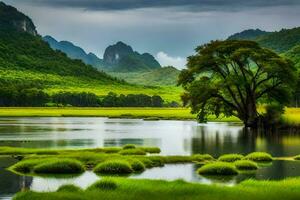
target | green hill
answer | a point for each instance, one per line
(162, 76)
(280, 41)
(25, 59)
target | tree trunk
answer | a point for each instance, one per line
(251, 119)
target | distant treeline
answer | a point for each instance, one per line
(35, 97)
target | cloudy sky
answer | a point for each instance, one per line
(169, 29)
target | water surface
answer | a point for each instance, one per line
(173, 137)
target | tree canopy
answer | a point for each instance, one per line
(233, 78)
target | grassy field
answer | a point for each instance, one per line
(143, 113)
(54, 83)
(291, 116)
(156, 189)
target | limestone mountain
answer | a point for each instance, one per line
(74, 52)
(120, 57)
(23, 52)
(12, 19)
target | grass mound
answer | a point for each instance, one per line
(25, 166)
(114, 167)
(202, 157)
(104, 184)
(230, 157)
(132, 152)
(137, 165)
(151, 149)
(218, 168)
(59, 166)
(259, 157)
(245, 165)
(69, 188)
(129, 146)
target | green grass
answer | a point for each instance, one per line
(259, 157)
(291, 116)
(177, 190)
(132, 152)
(129, 146)
(230, 157)
(69, 188)
(218, 168)
(54, 83)
(114, 167)
(245, 165)
(297, 157)
(137, 165)
(59, 166)
(140, 113)
(104, 184)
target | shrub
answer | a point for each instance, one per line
(104, 184)
(230, 157)
(129, 146)
(69, 188)
(202, 157)
(245, 165)
(259, 157)
(59, 166)
(137, 165)
(218, 168)
(132, 152)
(113, 167)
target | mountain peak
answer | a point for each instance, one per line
(121, 57)
(12, 19)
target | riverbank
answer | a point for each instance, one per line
(290, 118)
(131, 113)
(155, 189)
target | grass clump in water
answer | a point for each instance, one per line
(69, 188)
(129, 146)
(202, 157)
(137, 165)
(104, 184)
(151, 149)
(246, 165)
(259, 157)
(132, 152)
(218, 168)
(59, 166)
(113, 167)
(230, 157)
(25, 166)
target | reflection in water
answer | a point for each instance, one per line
(173, 137)
(11, 183)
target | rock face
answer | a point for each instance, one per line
(11, 18)
(114, 53)
(120, 57)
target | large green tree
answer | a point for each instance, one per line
(233, 78)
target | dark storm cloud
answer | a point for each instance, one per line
(225, 5)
